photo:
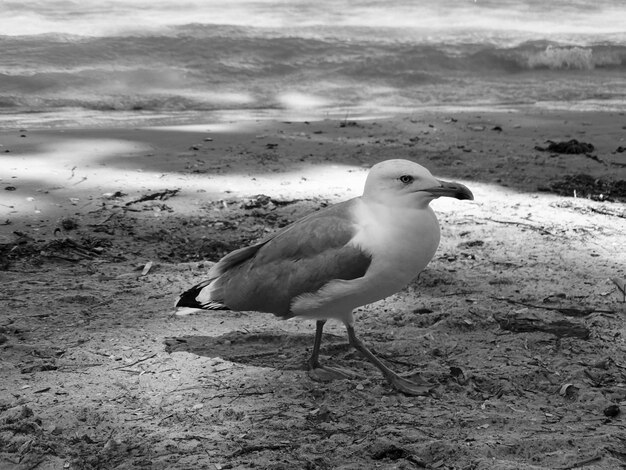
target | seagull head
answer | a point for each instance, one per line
(403, 182)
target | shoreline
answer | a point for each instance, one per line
(74, 119)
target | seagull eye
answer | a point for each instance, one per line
(406, 179)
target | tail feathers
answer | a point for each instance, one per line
(235, 258)
(198, 298)
(209, 295)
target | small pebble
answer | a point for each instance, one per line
(611, 411)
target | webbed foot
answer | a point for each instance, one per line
(416, 386)
(328, 374)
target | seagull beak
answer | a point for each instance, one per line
(451, 189)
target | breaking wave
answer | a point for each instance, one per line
(220, 67)
(576, 58)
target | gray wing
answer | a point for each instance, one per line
(300, 259)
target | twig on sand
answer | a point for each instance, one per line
(247, 394)
(257, 448)
(610, 213)
(161, 195)
(621, 285)
(113, 214)
(559, 328)
(125, 366)
(568, 311)
(581, 463)
(521, 224)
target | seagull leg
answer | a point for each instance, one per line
(321, 373)
(417, 387)
(314, 362)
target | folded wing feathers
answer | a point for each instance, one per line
(209, 294)
(233, 259)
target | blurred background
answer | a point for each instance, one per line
(100, 62)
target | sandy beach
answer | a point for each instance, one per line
(516, 319)
(63, 172)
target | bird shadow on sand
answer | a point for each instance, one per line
(274, 349)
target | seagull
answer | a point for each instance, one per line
(337, 259)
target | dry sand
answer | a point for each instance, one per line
(516, 319)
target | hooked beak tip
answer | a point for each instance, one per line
(451, 189)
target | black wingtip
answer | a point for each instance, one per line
(189, 297)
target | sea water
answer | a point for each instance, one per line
(112, 61)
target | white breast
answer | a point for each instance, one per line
(401, 242)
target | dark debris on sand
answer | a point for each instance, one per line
(571, 147)
(586, 186)
(33, 251)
